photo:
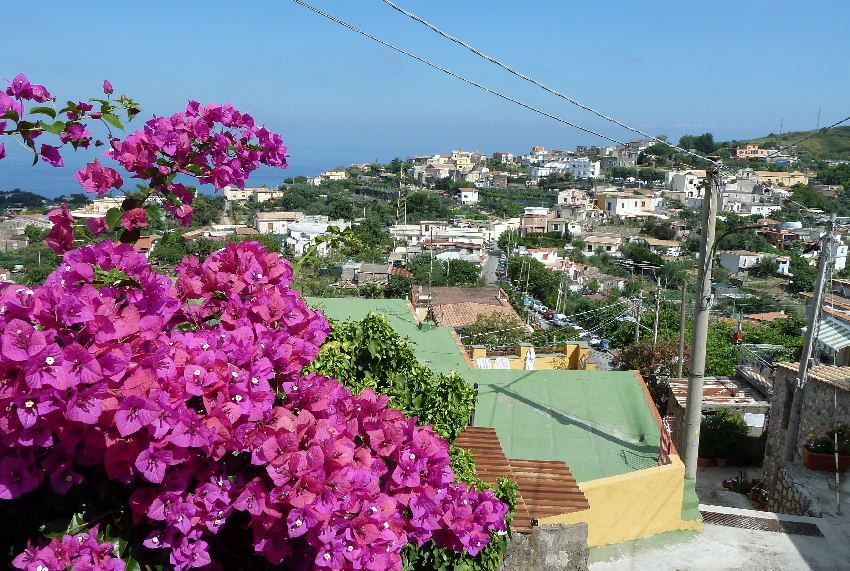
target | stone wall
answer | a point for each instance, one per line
(819, 412)
(556, 547)
(790, 497)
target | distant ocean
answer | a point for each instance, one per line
(17, 171)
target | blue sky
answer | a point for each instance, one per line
(736, 69)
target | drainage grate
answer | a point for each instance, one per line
(762, 524)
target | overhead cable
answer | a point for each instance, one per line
(807, 137)
(541, 85)
(460, 77)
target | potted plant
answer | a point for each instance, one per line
(819, 452)
(708, 445)
(723, 431)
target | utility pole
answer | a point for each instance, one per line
(812, 316)
(693, 409)
(682, 331)
(637, 317)
(657, 311)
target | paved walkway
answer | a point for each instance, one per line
(721, 547)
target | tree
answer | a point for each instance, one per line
(767, 267)
(341, 209)
(271, 243)
(494, 331)
(398, 287)
(462, 273)
(623, 172)
(803, 274)
(208, 209)
(656, 363)
(703, 143)
(650, 175)
(170, 249)
(659, 150)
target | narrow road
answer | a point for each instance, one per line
(490, 266)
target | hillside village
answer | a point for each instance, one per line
(521, 271)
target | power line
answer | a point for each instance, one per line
(460, 77)
(540, 85)
(807, 137)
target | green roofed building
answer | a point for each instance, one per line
(602, 424)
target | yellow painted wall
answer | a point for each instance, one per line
(544, 362)
(633, 505)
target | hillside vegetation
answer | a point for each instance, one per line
(832, 144)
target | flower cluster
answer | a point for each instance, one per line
(826, 444)
(191, 393)
(81, 551)
(72, 131)
(216, 143)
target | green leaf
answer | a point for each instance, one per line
(155, 214)
(114, 121)
(56, 128)
(132, 565)
(44, 111)
(11, 114)
(196, 170)
(113, 217)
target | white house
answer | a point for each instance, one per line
(303, 233)
(275, 222)
(839, 255)
(266, 194)
(468, 195)
(738, 260)
(233, 193)
(783, 265)
(689, 182)
(599, 244)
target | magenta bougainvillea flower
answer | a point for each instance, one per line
(61, 236)
(134, 218)
(97, 179)
(166, 385)
(51, 154)
(97, 225)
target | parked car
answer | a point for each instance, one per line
(549, 314)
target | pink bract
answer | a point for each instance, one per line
(164, 394)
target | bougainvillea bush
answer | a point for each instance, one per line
(159, 422)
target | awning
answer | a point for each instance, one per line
(833, 335)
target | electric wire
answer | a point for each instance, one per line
(541, 85)
(807, 137)
(460, 77)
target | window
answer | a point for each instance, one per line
(270, 227)
(607, 248)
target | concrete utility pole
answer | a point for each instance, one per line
(657, 311)
(693, 410)
(805, 356)
(637, 317)
(682, 330)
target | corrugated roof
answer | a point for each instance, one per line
(546, 488)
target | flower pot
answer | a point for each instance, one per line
(824, 462)
(721, 462)
(704, 462)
